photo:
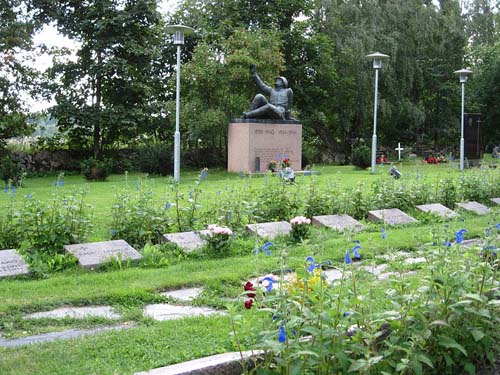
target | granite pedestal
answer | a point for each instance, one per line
(252, 144)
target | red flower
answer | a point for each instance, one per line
(248, 304)
(249, 287)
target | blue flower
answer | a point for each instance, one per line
(460, 235)
(497, 226)
(488, 231)
(447, 243)
(348, 258)
(6, 189)
(266, 247)
(61, 183)
(357, 241)
(28, 196)
(55, 183)
(190, 195)
(310, 260)
(168, 205)
(269, 285)
(383, 233)
(13, 189)
(203, 175)
(347, 313)
(112, 232)
(354, 250)
(282, 334)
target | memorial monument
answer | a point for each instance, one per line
(267, 132)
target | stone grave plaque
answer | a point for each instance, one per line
(477, 208)
(270, 230)
(337, 222)
(188, 241)
(495, 201)
(438, 209)
(91, 255)
(392, 216)
(12, 264)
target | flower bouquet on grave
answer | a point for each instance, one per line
(300, 228)
(218, 241)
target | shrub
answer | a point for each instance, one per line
(361, 156)
(137, 221)
(44, 228)
(443, 321)
(11, 171)
(155, 159)
(96, 170)
(300, 228)
(218, 241)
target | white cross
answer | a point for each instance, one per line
(399, 149)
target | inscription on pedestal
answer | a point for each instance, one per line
(91, 255)
(252, 145)
(12, 264)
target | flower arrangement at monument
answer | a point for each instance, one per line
(218, 240)
(272, 166)
(285, 163)
(300, 227)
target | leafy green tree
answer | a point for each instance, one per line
(112, 91)
(486, 91)
(15, 75)
(218, 86)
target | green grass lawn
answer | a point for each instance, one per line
(153, 344)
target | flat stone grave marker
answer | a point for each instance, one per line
(495, 201)
(165, 311)
(76, 313)
(186, 295)
(188, 241)
(270, 230)
(12, 264)
(391, 216)
(337, 222)
(219, 364)
(91, 255)
(475, 207)
(437, 209)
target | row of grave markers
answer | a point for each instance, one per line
(91, 255)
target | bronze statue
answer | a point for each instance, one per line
(280, 100)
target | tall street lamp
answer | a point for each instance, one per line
(377, 58)
(463, 74)
(178, 32)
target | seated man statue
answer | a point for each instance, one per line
(280, 100)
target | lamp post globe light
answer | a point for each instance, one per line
(463, 75)
(178, 31)
(377, 59)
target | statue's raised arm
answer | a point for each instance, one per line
(280, 99)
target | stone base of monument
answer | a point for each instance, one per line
(252, 144)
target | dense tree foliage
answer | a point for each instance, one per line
(15, 75)
(120, 88)
(112, 91)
